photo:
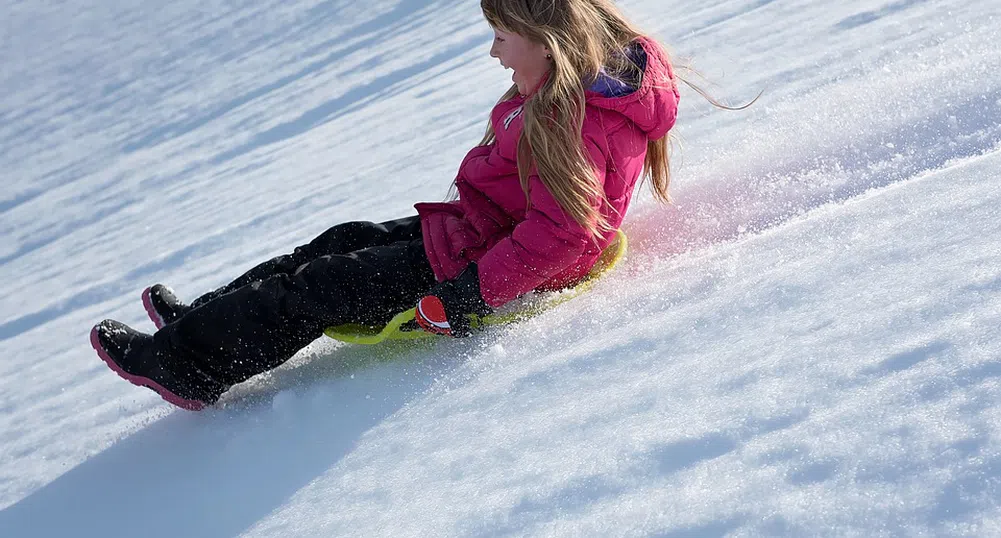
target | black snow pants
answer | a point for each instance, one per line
(356, 272)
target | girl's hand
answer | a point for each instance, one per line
(447, 308)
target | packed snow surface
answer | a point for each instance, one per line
(807, 343)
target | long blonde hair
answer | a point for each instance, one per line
(583, 37)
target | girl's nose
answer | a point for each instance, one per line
(493, 50)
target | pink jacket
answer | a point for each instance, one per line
(518, 251)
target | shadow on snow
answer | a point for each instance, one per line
(218, 472)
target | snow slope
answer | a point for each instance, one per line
(807, 343)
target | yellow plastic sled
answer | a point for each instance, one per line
(403, 326)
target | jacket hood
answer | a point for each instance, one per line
(653, 107)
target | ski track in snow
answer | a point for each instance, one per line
(805, 344)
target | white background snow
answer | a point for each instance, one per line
(807, 343)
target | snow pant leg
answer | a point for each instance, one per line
(261, 325)
(340, 239)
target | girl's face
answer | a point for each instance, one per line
(527, 58)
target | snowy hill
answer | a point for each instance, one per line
(807, 343)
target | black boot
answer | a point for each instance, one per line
(162, 305)
(135, 357)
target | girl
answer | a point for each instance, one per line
(539, 198)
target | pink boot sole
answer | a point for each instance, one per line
(150, 311)
(139, 381)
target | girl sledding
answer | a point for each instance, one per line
(539, 200)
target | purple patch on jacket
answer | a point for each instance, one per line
(610, 86)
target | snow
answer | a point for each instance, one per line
(807, 343)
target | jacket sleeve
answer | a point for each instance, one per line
(540, 247)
